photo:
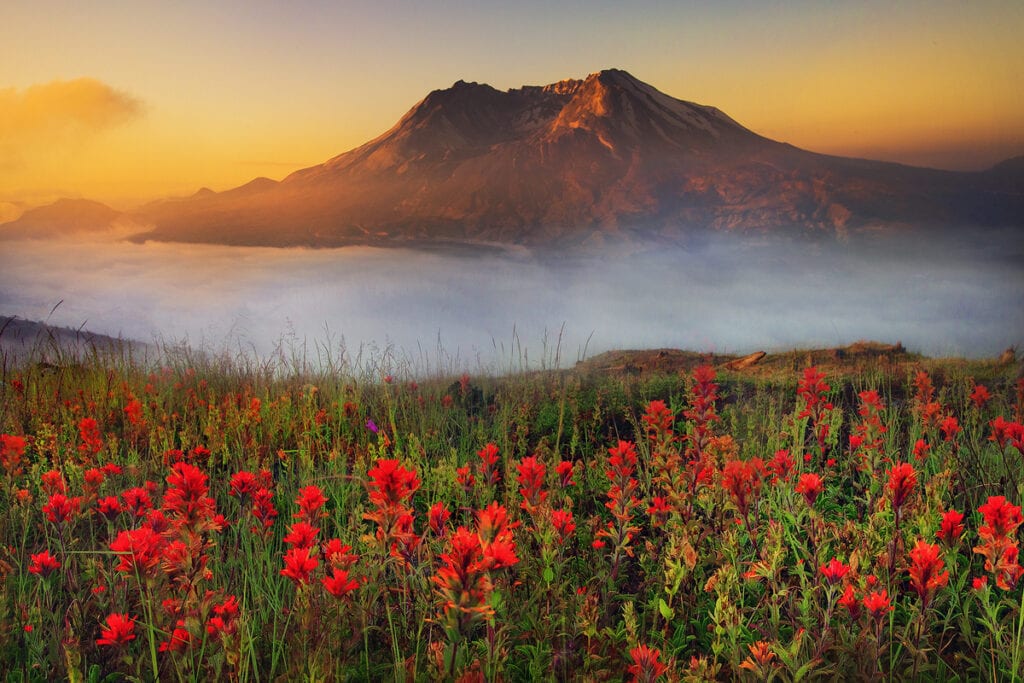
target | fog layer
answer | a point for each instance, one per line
(484, 310)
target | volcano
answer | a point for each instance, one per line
(608, 157)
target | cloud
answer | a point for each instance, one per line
(59, 110)
(720, 296)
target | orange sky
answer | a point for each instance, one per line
(124, 103)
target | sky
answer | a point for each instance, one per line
(129, 101)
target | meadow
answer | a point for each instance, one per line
(209, 520)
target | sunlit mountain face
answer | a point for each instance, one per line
(580, 162)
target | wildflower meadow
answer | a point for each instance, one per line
(202, 521)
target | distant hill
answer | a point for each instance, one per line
(20, 339)
(63, 217)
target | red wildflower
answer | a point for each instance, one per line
(949, 427)
(921, 449)
(310, 501)
(998, 541)
(951, 527)
(979, 582)
(139, 550)
(780, 465)
(243, 484)
(926, 571)
(298, 564)
(810, 487)
(339, 584)
(531, 479)
(438, 517)
(179, 641)
(464, 476)
(878, 604)
(301, 535)
(742, 480)
(186, 502)
(657, 420)
(462, 583)
(563, 523)
(225, 619)
(93, 478)
(91, 441)
(53, 482)
(1001, 518)
(489, 464)
(390, 483)
(43, 564)
(902, 481)
(813, 390)
(137, 501)
(980, 396)
(263, 509)
(761, 656)
(622, 464)
(338, 555)
(492, 522)
(659, 510)
(133, 411)
(647, 666)
(564, 471)
(120, 628)
(834, 571)
(60, 508)
(12, 449)
(109, 507)
(850, 602)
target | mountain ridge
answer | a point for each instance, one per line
(580, 161)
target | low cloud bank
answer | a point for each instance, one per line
(495, 311)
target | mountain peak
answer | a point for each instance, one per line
(577, 159)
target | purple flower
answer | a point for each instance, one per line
(372, 426)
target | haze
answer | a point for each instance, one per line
(487, 311)
(127, 102)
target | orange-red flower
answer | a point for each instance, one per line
(647, 666)
(563, 523)
(139, 550)
(951, 527)
(339, 555)
(489, 464)
(301, 535)
(43, 564)
(109, 507)
(186, 502)
(437, 518)
(119, 630)
(339, 584)
(810, 487)
(60, 508)
(926, 571)
(850, 602)
(531, 480)
(390, 483)
(299, 563)
(310, 501)
(835, 571)
(902, 480)
(878, 603)
(564, 471)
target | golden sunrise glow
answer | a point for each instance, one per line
(128, 105)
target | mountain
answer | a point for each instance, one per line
(581, 161)
(63, 217)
